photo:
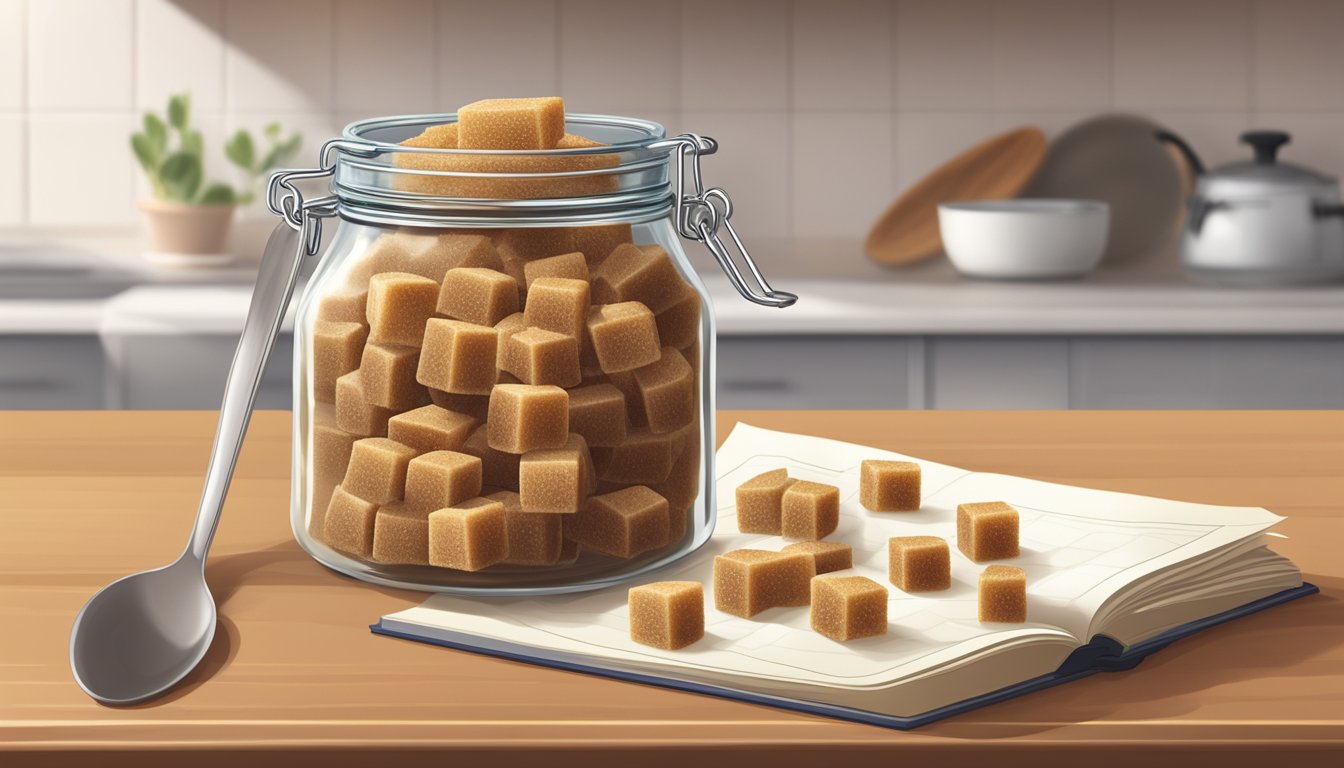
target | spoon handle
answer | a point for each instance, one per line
(276, 277)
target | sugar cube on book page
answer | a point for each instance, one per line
(1130, 541)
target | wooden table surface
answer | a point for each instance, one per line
(295, 673)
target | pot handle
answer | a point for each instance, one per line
(1191, 159)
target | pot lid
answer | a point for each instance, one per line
(1265, 171)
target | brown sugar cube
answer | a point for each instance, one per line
(458, 357)
(987, 530)
(531, 123)
(634, 406)
(634, 273)
(623, 336)
(622, 523)
(666, 392)
(667, 614)
(475, 406)
(827, 556)
(431, 428)
(354, 414)
(442, 136)
(527, 417)
(348, 524)
(445, 137)
(529, 243)
(441, 479)
(377, 470)
(682, 486)
(476, 295)
(467, 536)
(679, 324)
(530, 538)
(1003, 594)
(391, 252)
(453, 251)
(387, 374)
(643, 458)
(567, 265)
(569, 550)
(557, 304)
(498, 468)
(760, 502)
(348, 305)
(596, 242)
(597, 412)
(848, 607)
(538, 356)
(889, 486)
(748, 581)
(337, 347)
(505, 329)
(809, 510)
(554, 480)
(919, 563)
(399, 305)
(330, 456)
(401, 535)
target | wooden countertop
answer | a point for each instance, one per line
(295, 673)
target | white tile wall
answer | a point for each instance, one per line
(1298, 56)
(80, 170)
(79, 55)
(944, 55)
(843, 175)
(842, 56)
(13, 150)
(180, 47)
(734, 56)
(280, 55)
(11, 54)
(1188, 56)
(473, 66)
(1052, 54)
(613, 59)
(825, 110)
(385, 61)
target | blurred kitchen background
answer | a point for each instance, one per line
(826, 112)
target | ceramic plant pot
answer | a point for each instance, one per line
(182, 228)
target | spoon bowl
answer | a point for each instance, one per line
(141, 634)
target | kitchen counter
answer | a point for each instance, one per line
(841, 293)
(295, 675)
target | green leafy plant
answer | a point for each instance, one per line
(171, 152)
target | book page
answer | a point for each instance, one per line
(1078, 547)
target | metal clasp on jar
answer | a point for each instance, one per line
(701, 212)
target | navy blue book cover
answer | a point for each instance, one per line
(1102, 654)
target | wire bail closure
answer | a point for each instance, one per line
(700, 214)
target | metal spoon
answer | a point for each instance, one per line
(141, 634)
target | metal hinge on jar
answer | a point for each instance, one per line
(700, 214)
(305, 216)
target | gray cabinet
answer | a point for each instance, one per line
(51, 372)
(1045, 372)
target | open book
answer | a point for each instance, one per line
(1110, 578)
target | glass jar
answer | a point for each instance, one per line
(504, 361)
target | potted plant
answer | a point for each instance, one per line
(187, 214)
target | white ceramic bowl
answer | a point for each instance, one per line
(1024, 239)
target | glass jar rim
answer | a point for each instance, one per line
(371, 186)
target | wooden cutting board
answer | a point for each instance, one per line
(996, 169)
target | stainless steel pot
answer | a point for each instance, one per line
(1262, 221)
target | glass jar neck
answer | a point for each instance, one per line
(611, 172)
